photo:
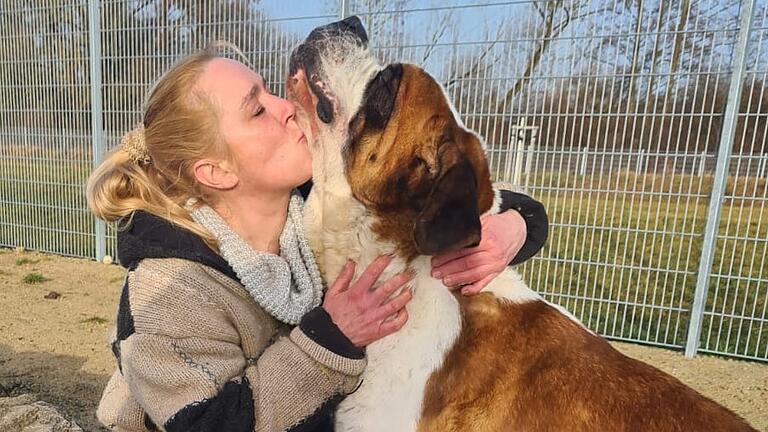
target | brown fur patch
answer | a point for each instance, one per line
(392, 170)
(527, 367)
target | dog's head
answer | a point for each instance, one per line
(328, 73)
(406, 155)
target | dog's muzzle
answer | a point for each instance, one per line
(305, 72)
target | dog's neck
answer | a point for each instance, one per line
(337, 225)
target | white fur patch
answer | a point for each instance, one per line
(399, 365)
(496, 205)
(509, 285)
(338, 57)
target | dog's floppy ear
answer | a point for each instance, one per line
(380, 95)
(450, 220)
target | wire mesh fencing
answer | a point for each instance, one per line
(613, 113)
(735, 320)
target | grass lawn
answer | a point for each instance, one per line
(626, 265)
(622, 254)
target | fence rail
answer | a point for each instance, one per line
(642, 126)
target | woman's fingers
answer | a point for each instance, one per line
(392, 307)
(365, 315)
(343, 279)
(478, 286)
(385, 290)
(393, 324)
(371, 273)
(439, 260)
(470, 276)
(464, 263)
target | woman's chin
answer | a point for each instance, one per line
(303, 179)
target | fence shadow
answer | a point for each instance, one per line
(54, 378)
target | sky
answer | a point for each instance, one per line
(472, 15)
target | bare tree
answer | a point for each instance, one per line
(556, 16)
(677, 46)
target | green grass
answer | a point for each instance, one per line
(34, 278)
(25, 261)
(737, 189)
(49, 196)
(623, 250)
(640, 257)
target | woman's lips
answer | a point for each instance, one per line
(300, 94)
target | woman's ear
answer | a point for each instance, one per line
(218, 175)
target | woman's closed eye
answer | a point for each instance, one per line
(259, 111)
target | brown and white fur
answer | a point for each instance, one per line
(505, 360)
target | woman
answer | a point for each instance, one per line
(222, 324)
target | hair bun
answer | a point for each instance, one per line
(134, 143)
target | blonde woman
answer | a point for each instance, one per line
(222, 322)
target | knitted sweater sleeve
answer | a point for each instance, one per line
(185, 361)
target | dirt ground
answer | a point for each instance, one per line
(58, 350)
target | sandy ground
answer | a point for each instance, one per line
(57, 348)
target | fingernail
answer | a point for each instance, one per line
(448, 281)
(464, 292)
(437, 274)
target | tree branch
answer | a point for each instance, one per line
(443, 27)
(476, 64)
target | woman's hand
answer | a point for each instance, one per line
(471, 269)
(365, 315)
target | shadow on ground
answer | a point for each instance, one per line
(56, 379)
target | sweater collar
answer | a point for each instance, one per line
(149, 236)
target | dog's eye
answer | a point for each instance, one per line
(417, 162)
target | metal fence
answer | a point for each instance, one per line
(641, 125)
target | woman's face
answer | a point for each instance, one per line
(267, 147)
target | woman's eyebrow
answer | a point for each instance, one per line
(252, 95)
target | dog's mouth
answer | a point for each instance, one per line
(307, 83)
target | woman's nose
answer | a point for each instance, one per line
(285, 108)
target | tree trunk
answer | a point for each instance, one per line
(632, 100)
(535, 59)
(677, 47)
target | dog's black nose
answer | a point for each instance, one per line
(354, 25)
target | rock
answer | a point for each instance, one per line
(107, 259)
(25, 413)
(53, 295)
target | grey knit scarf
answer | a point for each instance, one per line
(286, 286)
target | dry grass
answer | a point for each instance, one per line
(623, 249)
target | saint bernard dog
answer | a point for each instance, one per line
(397, 172)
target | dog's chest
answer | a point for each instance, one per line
(399, 365)
(390, 396)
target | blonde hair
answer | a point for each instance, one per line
(180, 127)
